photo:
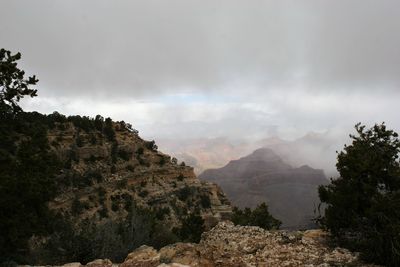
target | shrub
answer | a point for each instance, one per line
(76, 207)
(91, 175)
(143, 193)
(93, 139)
(103, 212)
(114, 151)
(363, 204)
(151, 145)
(260, 217)
(180, 177)
(108, 130)
(122, 183)
(79, 141)
(113, 169)
(205, 201)
(140, 151)
(125, 155)
(162, 161)
(184, 193)
(114, 206)
(101, 192)
(99, 122)
(192, 228)
(161, 212)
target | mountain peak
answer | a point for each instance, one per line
(263, 154)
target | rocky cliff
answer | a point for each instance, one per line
(227, 245)
(105, 172)
(114, 187)
(291, 193)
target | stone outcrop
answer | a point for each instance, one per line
(227, 245)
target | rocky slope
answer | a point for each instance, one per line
(229, 245)
(105, 174)
(291, 193)
(118, 189)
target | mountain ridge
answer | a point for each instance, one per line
(263, 176)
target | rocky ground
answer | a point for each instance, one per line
(229, 245)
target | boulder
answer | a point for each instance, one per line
(144, 256)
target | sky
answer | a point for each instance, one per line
(195, 69)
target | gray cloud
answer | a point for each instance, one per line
(242, 69)
(136, 48)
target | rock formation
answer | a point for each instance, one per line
(227, 245)
(103, 177)
(291, 193)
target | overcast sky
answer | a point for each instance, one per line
(242, 69)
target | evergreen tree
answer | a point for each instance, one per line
(363, 204)
(13, 85)
(260, 217)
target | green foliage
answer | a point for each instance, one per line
(93, 139)
(180, 177)
(184, 193)
(103, 212)
(110, 239)
(114, 151)
(143, 193)
(27, 171)
(13, 85)
(260, 217)
(99, 123)
(151, 145)
(123, 154)
(82, 122)
(109, 130)
(363, 204)
(130, 168)
(114, 205)
(123, 183)
(192, 228)
(94, 174)
(161, 212)
(205, 201)
(77, 207)
(113, 169)
(162, 161)
(140, 151)
(79, 141)
(102, 194)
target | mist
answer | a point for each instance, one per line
(186, 70)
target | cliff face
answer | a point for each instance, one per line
(291, 193)
(105, 174)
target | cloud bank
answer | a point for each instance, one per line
(190, 69)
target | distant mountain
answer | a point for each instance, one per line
(313, 149)
(316, 150)
(291, 193)
(205, 153)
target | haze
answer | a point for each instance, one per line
(185, 70)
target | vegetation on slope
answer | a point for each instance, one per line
(363, 204)
(259, 216)
(78, 188)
